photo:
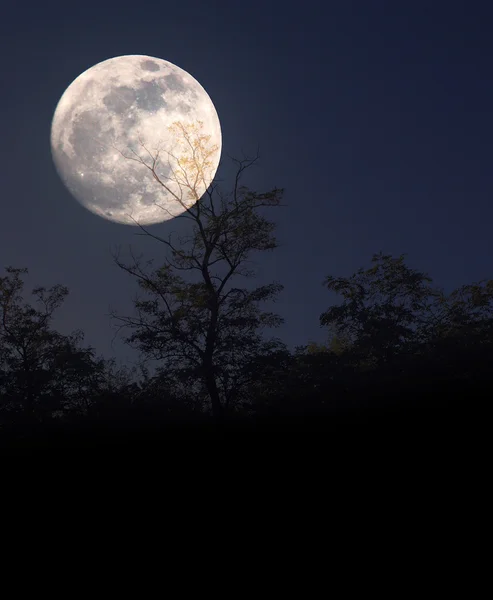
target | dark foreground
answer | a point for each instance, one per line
(447, 423)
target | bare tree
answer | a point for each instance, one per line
(191, 318)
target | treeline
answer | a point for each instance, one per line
(396, 345)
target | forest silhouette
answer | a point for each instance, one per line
(399, 351)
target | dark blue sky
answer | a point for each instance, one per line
(375, 116)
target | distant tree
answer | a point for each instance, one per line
(462, 340)
(201, 328)
(403, 337)
(468, 309)
(386, 309)
(41, 370)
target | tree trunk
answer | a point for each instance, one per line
(208, 364)
(210, 382)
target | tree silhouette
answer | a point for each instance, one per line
(435, 351)
(406, 341)
(385, 308)
(192, 319)
(41, 370)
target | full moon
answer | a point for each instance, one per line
(136, 140)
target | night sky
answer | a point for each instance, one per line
(376, 117)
